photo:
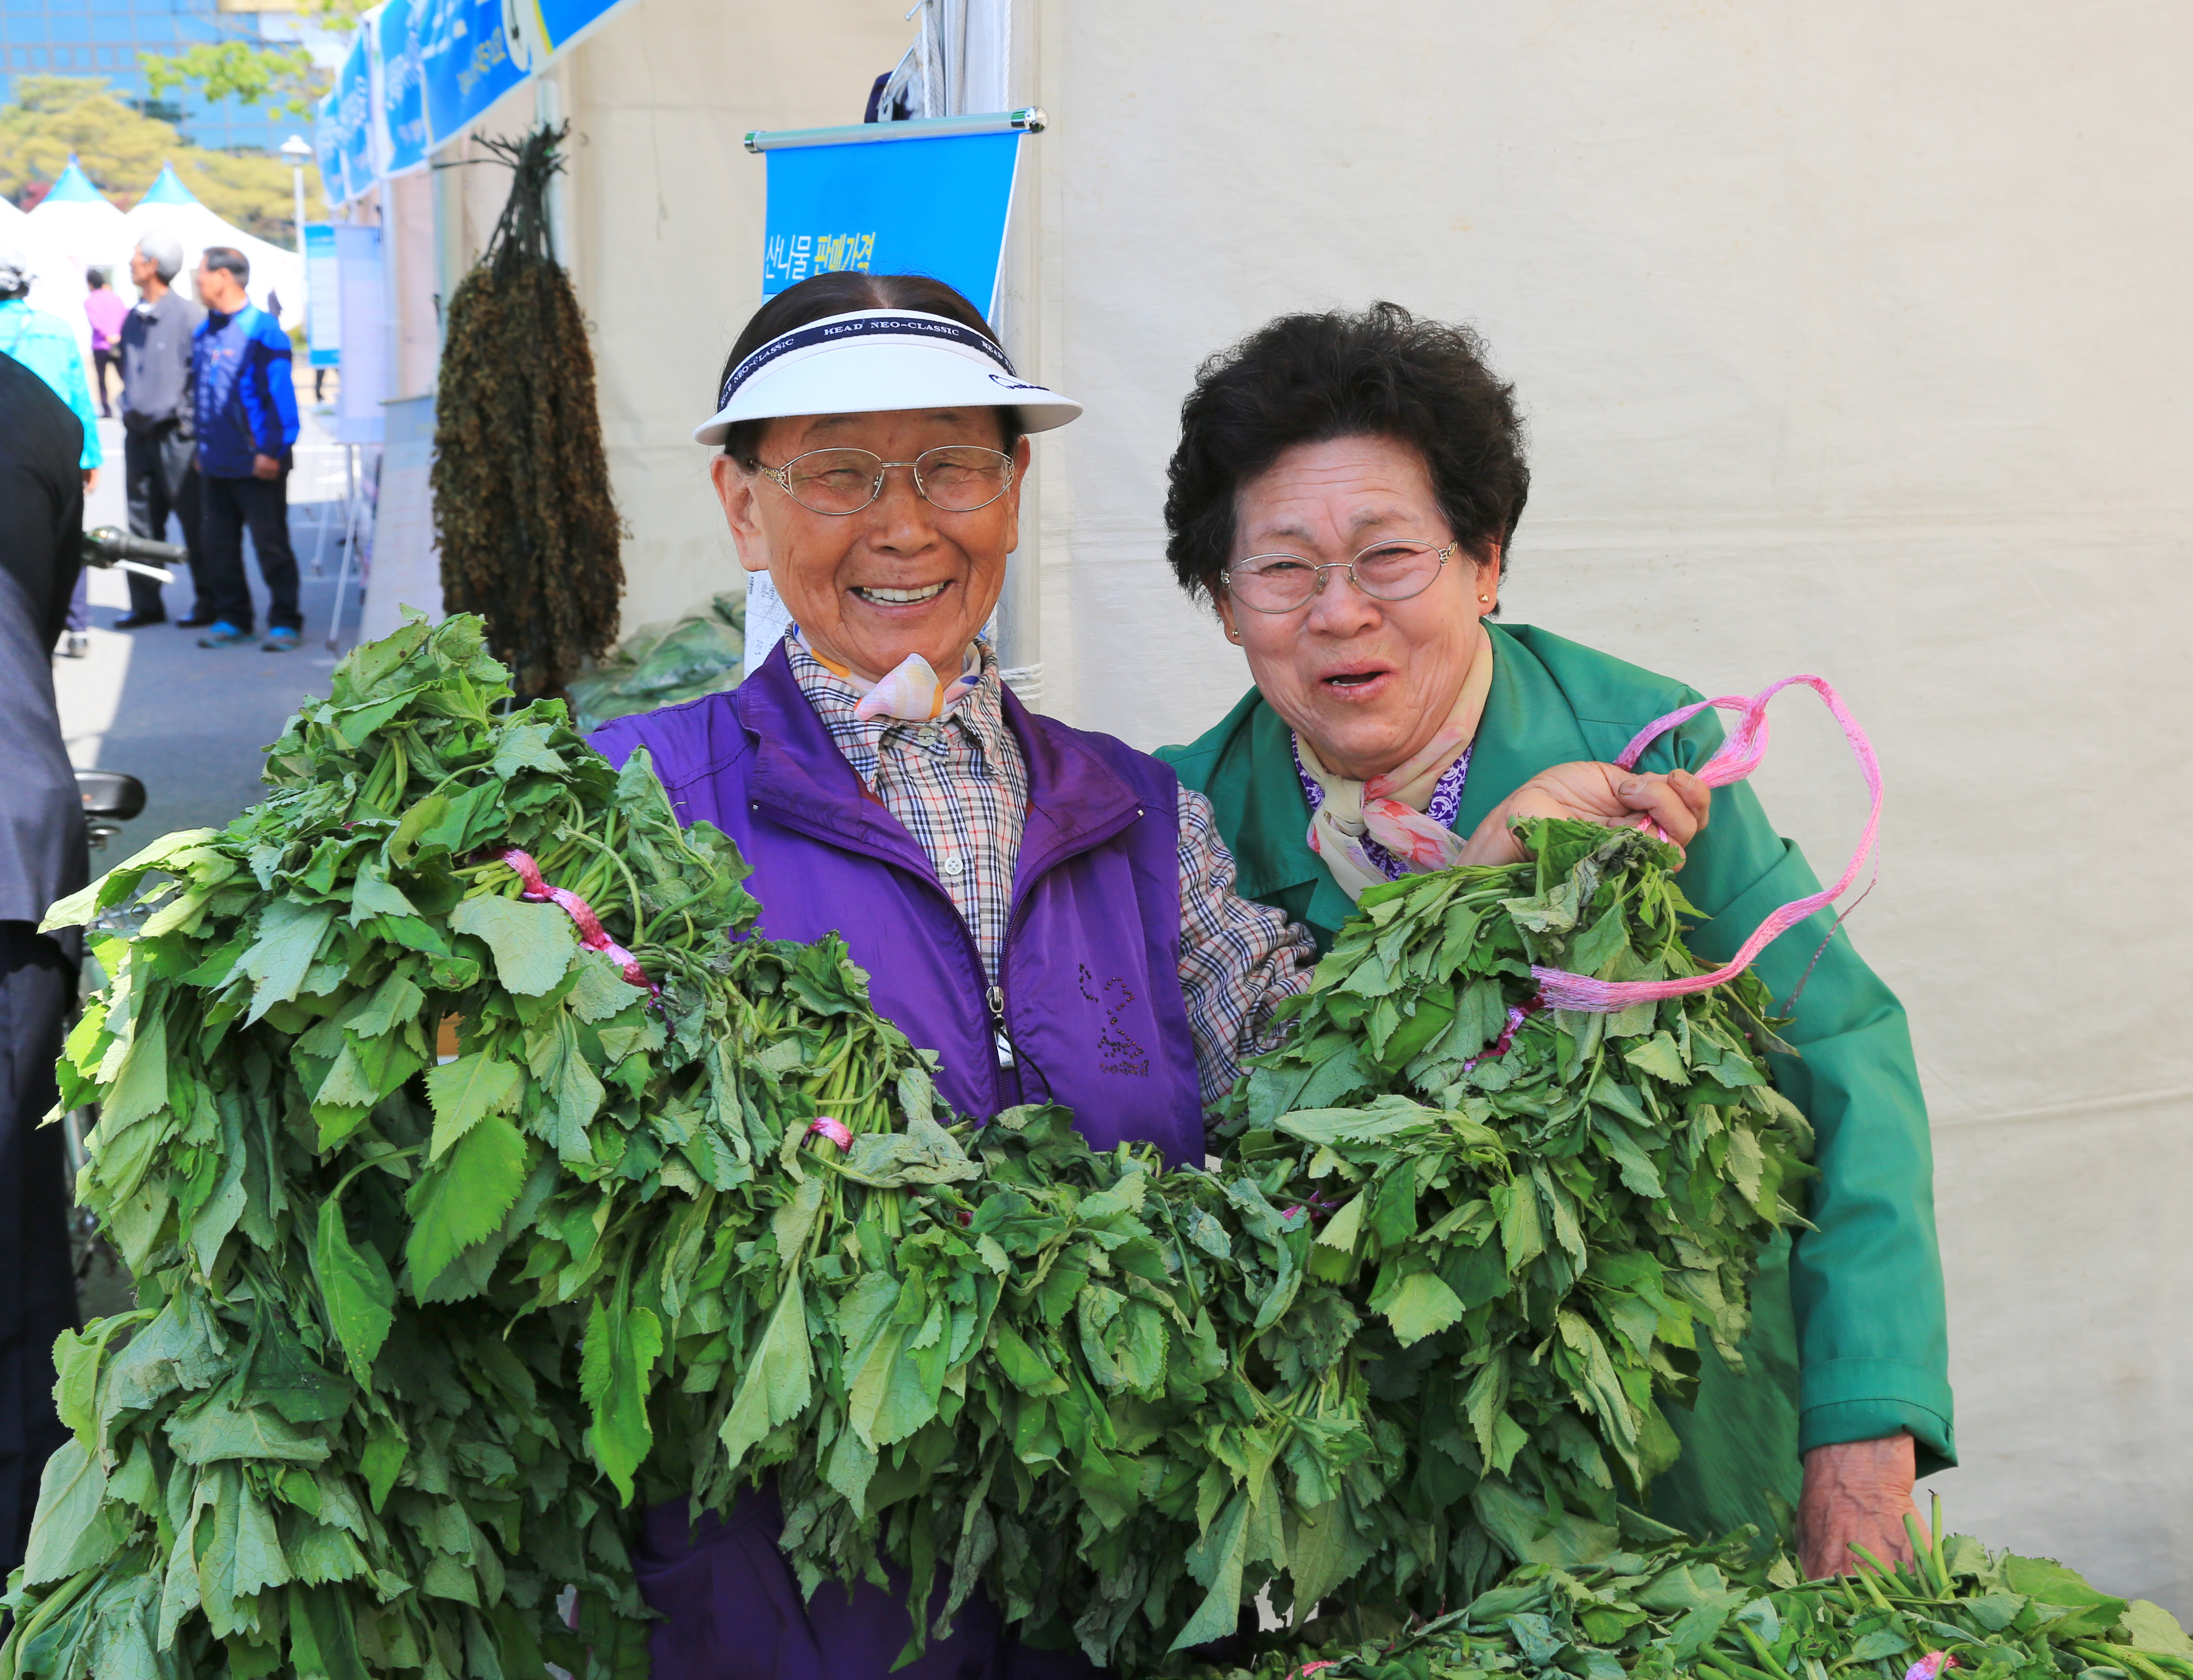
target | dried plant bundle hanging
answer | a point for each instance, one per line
(529, 532)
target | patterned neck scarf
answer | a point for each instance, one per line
(1390, 813)
(913, 691)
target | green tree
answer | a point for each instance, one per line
(253, 72)
(53, 116)
(122, 151)
(244, 71)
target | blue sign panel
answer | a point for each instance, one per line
(935, 207)
(403, 83)
(322, 297)
(465, 60)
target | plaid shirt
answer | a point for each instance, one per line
(960, 786)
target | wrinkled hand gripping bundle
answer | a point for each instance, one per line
(411, 1333)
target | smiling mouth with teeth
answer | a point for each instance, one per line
(883, 597)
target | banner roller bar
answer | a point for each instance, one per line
(1028, 120)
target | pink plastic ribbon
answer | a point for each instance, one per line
(1738, 757)
(835, 1130)
(1930, 1666)
(592, 934)
(1517, 1014)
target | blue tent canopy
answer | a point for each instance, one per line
(168, 189)
(75, 187)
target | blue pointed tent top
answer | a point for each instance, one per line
(75, 187)
(168, 189)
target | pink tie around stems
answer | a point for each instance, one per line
(592, 934)
(835, 1130)
(1738, 757)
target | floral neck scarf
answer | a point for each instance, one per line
(1391, 811)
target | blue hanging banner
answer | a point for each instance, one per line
(354, 118)
(926, 203)
(465, 62)
(327, 147)
(399, 45)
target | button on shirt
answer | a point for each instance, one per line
(959, 786)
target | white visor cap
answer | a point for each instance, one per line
(877, 360)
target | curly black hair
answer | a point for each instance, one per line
(1309, 378)
(843, 292)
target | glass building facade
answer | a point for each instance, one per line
(103, 37)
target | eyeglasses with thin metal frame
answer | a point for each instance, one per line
(952, 477)
(1392, 570)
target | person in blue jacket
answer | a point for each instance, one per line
(247, 422)
(46, 345)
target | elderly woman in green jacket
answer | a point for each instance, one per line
(1344, 494)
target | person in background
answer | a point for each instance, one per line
(159, 451)
(247, 422)
(104, 309)
(46, 345)
(43, 857)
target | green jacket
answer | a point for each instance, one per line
(1849, 1339)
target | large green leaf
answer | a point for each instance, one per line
(466, 1089)
(290, 935)
(621, 1347)
(532, 944)
(355, 1284)
(462, 1200)
(73, 1529)
(778, 1381)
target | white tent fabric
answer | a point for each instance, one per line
(58, 264)
(169, 208)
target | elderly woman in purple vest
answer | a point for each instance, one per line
(1045, 908)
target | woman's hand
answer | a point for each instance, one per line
(1856, 1491)
(1604, 794)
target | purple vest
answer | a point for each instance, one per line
(1091, 974)
(1091, 1003)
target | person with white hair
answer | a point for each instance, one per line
(46, 345)
(159, 451)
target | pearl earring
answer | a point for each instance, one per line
(1487, 598)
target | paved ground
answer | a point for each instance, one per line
(190, 722)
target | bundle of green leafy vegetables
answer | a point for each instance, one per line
(348, 1427)
(1421, 1320)
(1657, 1608)
(454, 1235)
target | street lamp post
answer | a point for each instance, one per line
(298, 154)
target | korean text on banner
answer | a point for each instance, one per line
(354, 118)
(936, 207)
(322, 297)
(402, 44)
(327, 147)
(466, 61)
